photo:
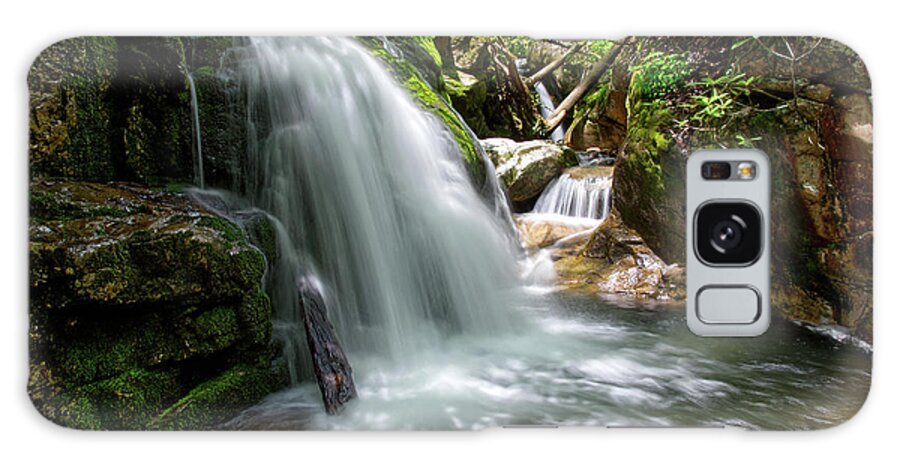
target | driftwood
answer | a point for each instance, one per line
(333, 372)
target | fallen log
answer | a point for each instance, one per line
(543, 72)
(330, 364)
(593, 75)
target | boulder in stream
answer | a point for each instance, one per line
(526, 168)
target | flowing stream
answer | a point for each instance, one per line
(584, 196)
(372, 202)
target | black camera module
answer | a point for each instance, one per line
(716, 170)
(728, 233)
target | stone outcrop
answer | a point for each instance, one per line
(147, 310)
(119, 108)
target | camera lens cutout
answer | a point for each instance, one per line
(728, 233)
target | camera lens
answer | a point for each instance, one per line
(728, 233)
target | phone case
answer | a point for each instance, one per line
(435, 233)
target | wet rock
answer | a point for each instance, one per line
(541, 231)
(118, 108)
(138, 298)
(616, 260)
(526, 168)
(602, 126)
(416, 64)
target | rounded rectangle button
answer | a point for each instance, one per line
(728, 304)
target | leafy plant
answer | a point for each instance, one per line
(659, 74)
(746, 142)
(717, 98)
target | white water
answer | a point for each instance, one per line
(374, 199)
(198, 140)
(547, 108)
(585, 197)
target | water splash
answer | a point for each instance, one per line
(372, 200)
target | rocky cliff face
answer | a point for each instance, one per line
(147, 310)
(806, 103)
(106, 108)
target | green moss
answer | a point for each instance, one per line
(128, 401)
(219, 399)
(229, 230)
(261, 233)
(647, 139)
(53, 207)
(70, 108)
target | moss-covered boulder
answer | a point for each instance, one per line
(526, 168)
(139, 299)
(803, 101)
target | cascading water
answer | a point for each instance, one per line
(374, 200)
(547, 108)
(198, 140)
(584, 196)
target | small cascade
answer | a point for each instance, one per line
(547, 108)
(198, 142)
(578, 192)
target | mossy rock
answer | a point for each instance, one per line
(105, 108)
(526, 168)
(414, 68)
(219, 399)
(70, 108)
(137, 296)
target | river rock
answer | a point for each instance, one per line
(525, 168)
(147, 310)
(538, 231)
(616, 260)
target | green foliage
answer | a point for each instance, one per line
(717, 98)
(595, 99)
(659, 74)
(519, 44)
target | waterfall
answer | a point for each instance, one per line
(577, 194)
(372, 199)
(195, 119)
(547, 108)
